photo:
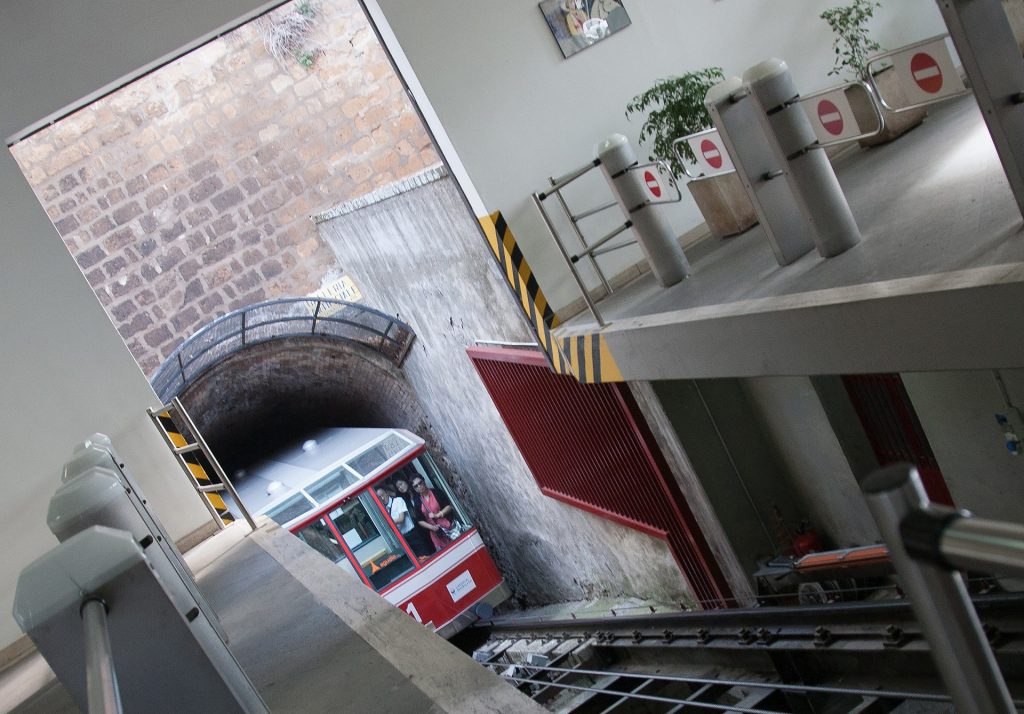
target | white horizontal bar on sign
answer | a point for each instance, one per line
(712, 158)
(832, 116)
(926, 72)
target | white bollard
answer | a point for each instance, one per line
(656, 239)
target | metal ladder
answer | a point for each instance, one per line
(198, 462)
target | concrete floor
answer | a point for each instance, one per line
(314, 639)
(933, 201)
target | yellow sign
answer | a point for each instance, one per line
(341, 289)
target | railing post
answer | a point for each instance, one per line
(316, 314)
(938, 597)
(243, 328)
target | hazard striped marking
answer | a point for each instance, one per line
(197, 464)
(585, 357)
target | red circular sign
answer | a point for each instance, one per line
(926, 71)
(830, 117)
(652, 184)
(712, 154)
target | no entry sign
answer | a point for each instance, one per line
(831, 116)
(926, 72)
(711, 155)
(653, 185)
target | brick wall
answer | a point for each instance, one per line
(187, 194)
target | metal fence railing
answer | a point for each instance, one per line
(277, 319)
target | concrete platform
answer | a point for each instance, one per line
(942, 254)
(314, 639)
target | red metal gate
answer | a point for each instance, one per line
(892, 427)
(587, 445)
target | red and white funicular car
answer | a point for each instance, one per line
(374, 502)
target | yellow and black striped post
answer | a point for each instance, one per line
(198, 465)
(586, 357)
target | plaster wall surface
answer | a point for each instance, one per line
(65, 372)
(421, 256)
(957, 412)
(792, 415)
(517, 112)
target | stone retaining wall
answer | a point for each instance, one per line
(187, 194)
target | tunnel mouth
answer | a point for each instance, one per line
(272, 395)
(276, 319)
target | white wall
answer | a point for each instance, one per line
(792, 414)
(64, 371)
(517, 112)
(957, 412)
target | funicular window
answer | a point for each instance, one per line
(290, 509)
(371, 459)
(319, 536)
(438, 515)
(374, 545)
(331, 485)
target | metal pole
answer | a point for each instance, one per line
(537, 201)
(968, 543)
(939, 599)
(601, 241)
(984, 40)
(563, 181)
(102, 693)
(582, 240)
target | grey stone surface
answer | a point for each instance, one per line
(421, 256)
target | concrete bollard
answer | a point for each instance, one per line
(809, 170)
(656, 239)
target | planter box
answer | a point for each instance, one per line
(723, 202)
(896, 123)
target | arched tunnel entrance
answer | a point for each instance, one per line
(265, 396)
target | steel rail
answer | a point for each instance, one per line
(806, 617)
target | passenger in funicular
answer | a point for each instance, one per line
(435, 509)
(406, 501)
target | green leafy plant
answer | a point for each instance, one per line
(674, 108)
(852, 43)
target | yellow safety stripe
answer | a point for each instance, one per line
(197, 464)
(585, 357)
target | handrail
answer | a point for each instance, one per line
(277, 319)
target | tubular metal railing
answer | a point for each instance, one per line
(929, 545)
(277, 319)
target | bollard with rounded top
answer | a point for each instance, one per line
(744, 131)
(812, 176)
(939, 599)
(656, 239)
(96, 490)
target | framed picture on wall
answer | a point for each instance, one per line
(578, 24)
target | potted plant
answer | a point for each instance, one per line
(674, 108)
(853, 48)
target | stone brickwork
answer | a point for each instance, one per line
(187, 194)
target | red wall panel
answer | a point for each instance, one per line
(587, 445)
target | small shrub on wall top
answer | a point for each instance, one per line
(852, 43)
(674, 108)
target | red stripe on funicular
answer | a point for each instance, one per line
(435, 603)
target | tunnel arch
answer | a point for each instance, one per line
(270, 394)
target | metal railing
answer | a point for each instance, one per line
(277, 319)
(592, 249)
(928, 545)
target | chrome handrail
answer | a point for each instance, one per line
(277, 319)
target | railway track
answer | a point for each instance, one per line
(824, 659)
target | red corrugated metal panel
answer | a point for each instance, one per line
(891, 424)
(588, 446)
